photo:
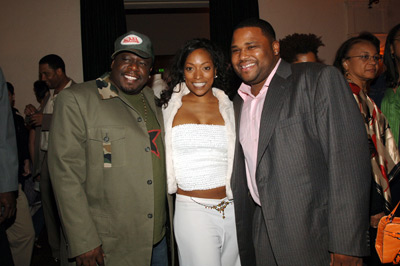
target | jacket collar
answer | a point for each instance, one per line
(105, 87)
(107, 90)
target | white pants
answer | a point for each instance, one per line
(202, 235)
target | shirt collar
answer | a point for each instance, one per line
(68, 84)
(245, 90)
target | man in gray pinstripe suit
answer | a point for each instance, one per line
(301, 178)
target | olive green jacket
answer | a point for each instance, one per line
(103, 202)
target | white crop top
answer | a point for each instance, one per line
(199, 153)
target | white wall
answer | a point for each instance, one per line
(32, 29)
(325, 18)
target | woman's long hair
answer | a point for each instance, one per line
(392, 74)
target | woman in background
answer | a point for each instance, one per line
(199, 144)
(390, 104)
(358, 58)
(388, 84)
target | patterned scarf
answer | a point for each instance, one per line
(385, 156)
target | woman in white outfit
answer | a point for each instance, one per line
(199, 144)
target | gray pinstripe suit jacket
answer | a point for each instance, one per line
(313, 170)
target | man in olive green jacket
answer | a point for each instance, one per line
(106, 159)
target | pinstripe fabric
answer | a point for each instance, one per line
(313, 172)
(261, 241)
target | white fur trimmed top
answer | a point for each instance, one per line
(227, 113)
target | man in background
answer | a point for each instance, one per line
(299, 47)
(51, 71)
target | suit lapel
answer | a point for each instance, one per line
(272, 107)
(237, 104)
(238, 179)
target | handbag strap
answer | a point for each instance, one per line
(390, 216)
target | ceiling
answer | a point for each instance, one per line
(138, 4)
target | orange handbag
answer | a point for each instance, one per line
(388, 238)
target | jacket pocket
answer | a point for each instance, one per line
(102, 222)
(106, 146)
(294, 120)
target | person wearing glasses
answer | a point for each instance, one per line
(358, 59)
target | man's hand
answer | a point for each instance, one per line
(7, 205)
(27, 168)
(345, 260)
(91, 258)
(30, 109)
(36, 119)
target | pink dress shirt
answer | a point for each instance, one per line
(250, 128)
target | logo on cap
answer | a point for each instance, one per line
(131, 40)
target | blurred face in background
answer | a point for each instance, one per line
(395, 48)
(308, 57)
(52, 77)
(361, 62)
